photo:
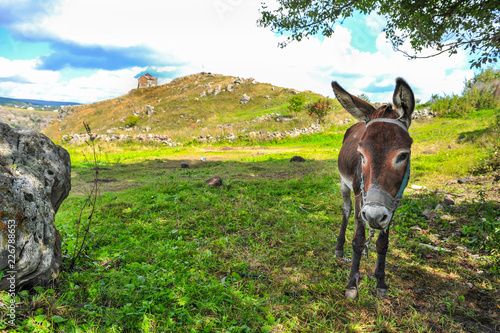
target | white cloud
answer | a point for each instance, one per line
(222, 36)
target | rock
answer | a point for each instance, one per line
(210, 91)
(430, 214)
(267, 97)
(448, 201)
(66, 110)
(184, 165)
(203, 93)
(464, 180)
(439, 207)
(149, 110)
(135, 113)
(435, 248)
(215, 182)
(216, 91)
(35, 178)
(297, 159)
(196, 99)
(229, 88)
(294, 92)
(244, 99)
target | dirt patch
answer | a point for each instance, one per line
(103, 180)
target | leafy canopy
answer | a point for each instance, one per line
(442, 25)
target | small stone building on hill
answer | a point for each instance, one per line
(146, 81)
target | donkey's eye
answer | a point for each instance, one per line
(402, 157)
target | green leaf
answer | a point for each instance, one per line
(40, 318)
(58, 319)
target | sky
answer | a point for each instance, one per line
(90, 50)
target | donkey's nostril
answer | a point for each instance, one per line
(384, 218)
(363, 214)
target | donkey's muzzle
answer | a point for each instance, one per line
(377, 216)
(378, 207)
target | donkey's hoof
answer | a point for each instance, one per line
(351, 293)
(339, 254)
(382, 292)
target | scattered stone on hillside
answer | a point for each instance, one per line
(135, 113)
(229, 88)
(254, 81)
(424, 113)
(184, 165)
(464, 180)
(294, 92)
(439, 207)
(429, 214)
(215, 181)
(79, 139)
(267, 97)
(273, 88)
(147, 128)
(245, 99)
(345, 121)
(66, 110)
(448, 201)
(239, 81)
(207, 85)
(210, 91)
(299, 159)
(217, 90)
(196, 99)
(35, 179)
(203, 93)
(185, 88)
(149, 110)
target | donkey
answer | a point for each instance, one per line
(374, 162)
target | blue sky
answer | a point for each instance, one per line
(86, 51)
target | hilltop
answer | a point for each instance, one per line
(187, 107)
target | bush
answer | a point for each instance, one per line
(297, 103)
(320, 108)
(478, 94)
(131, 120)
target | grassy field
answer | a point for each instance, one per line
(256, 255)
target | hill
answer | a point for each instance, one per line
(186, 107)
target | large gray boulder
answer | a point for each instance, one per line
(35, 178)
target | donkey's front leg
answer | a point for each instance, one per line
(346, 212)
(358, 244)
(382, 246)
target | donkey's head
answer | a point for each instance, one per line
(383, 151)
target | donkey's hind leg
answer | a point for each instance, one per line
(346, 212)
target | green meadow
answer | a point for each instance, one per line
(168, 253)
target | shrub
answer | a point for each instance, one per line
(478, 94)
(131, 120)
(297, 103)
(320, 108)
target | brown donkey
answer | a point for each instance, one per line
(374, 162)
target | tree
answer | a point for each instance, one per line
(443, 25)
(297, 103)
(320, 108)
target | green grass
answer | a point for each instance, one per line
(256, 255)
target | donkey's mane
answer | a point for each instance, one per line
(385, 111)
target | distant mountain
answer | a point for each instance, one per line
(32, 102)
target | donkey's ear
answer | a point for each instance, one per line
(359, 108)
(404, 100)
